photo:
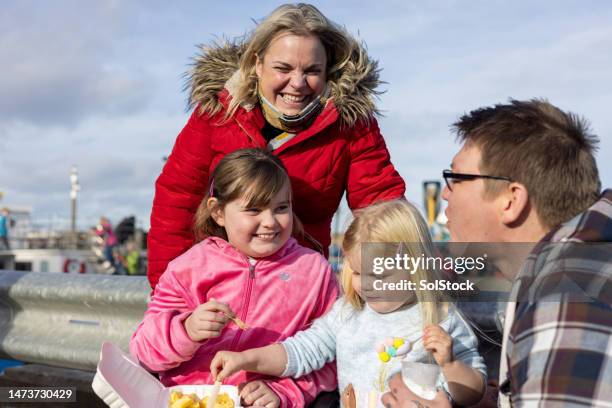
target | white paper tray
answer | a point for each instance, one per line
(122, 383)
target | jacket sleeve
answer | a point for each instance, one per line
(302, 391)
(371, 176)
(178, 191)
(465, 348)
(311, 349)
(465, 344)
(161, 341)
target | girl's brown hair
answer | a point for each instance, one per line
(252, 174)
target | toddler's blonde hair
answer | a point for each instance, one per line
(398, 222)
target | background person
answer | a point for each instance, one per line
(4, 228)
(131, 258)
(300, 86)
(104, 230)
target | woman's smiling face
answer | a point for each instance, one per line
(292, 73)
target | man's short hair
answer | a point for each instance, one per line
(540, 146)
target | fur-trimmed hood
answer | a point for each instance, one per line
(353, 89)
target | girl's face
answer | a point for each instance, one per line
(292, 72)
(363, 284)
(257, 231)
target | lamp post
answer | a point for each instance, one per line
(74, 189)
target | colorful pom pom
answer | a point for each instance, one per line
(384, 357)
(397, 343)
(389, 341)
(380, 347)
(391, 351)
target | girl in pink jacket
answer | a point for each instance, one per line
(246, 267)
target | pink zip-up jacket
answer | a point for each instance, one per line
(276, 297)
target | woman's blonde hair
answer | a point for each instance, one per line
(253, 174)
(395, 222)
(298, 19)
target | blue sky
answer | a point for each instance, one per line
(98, 84)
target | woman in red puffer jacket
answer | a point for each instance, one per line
(303, 88)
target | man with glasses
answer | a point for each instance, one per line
(526, 174)
(450, 177)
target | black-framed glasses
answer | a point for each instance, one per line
(450, 177)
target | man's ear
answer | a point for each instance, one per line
(515, 203)
(215, 211)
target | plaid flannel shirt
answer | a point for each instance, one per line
(559, 350)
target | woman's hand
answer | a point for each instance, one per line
(226, 363)
(207, 320)
(258, 394)
(439, 343)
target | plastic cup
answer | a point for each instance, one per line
(421, 378)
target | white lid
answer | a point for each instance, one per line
(122, 383)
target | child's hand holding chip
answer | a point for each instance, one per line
(207, 320)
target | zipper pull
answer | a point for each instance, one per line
(251, 270)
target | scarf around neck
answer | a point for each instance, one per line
(292, 123)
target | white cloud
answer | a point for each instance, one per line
(118, 161)
(60, 68)
(98, 84)
(572, 72)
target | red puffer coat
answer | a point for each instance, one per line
(342, 150)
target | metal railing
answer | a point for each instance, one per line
(62, 319)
